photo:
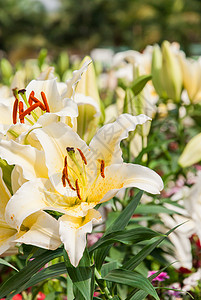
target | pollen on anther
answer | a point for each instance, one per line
(78, 189)
(82, 156)
(45, 101)
(102, 168)
(15, 106)
(21, 110)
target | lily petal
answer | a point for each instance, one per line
(49, 87)
(73, 233)
(43, 231)
(30, 159)
(124, 175)
(106, 143)
(71, 83)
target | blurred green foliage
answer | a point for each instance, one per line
(26, 25)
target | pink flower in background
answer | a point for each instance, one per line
(93, 238)
(161, 277)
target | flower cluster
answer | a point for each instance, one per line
(54, 169)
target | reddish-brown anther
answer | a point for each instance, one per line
(41, 105)
(30, 98)
(45, 101)
(102, 168)
(78, 189)
(21, 110)
(82, 156)
(28, 110)
(15, 106)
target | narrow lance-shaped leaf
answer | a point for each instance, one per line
(133, 279)
(140, 83)
(137, 259)
(27, 272)
(80, 276)
(119, 224)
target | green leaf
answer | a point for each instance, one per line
(4, 262)
(80, 276)
(137, 294)
(70, 294)
(137, 259)
(52, 296)
(153, 209)
(127, 236)
(119, 224)
(133, 279)
(140, 83)
(27, 272)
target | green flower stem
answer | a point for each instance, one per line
(102, 285)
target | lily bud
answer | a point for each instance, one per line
(191, 70)
(6, 70)
(171, 72)
(191, 153)
(156, 69)
(166, 72)
(87, 98)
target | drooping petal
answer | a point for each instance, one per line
(106, 143)
(28, 199)
(30, 159)
(43, 231)
(73, 233)
(119, 176)
(71, 83)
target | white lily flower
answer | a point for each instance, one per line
(43, 101)
(39, 229)
(80, 177)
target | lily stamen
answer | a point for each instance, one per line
(82, 156)
(102, 168)
(64, 177)
(45, 102)
(30, 98)
(28, 110)
(15, 106)
(41, 105)
(21, 110)
(78, 189)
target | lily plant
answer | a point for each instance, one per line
(72, 177)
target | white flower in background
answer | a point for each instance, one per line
(79, 177)
(39, 229)
(191, 281)
(191, 70)
(190, 199)
(192, 204)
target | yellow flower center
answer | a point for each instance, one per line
(74, 172)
